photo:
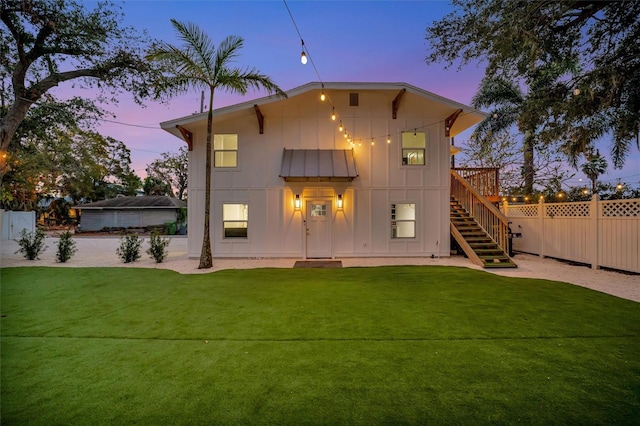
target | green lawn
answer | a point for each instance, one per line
(388, 345)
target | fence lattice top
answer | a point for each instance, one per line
(528, 210)
(568, 210)
(620, 208)
(608, 208)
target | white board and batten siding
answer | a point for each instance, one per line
(362, 227)
(598, 233)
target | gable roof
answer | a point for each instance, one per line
(144, 202)
(469, 117)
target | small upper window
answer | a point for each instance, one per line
(413, 148)
(225, 150)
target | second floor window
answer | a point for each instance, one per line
(225, 150)
(413, 149)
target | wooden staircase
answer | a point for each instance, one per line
(480, 229)
(479, 245)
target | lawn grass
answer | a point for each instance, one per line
(388, 345)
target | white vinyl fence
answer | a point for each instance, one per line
(599, 233)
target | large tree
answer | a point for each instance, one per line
(598, 95)
(197, 64)
(48, 42)
(508, 105)
(172, 170)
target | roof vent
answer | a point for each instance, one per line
(353, 99)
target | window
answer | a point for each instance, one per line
(225, 150)
(403, 220)
(413, 148)
(354, 99)
(318, 210)
(235, 220)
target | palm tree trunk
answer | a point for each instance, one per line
(206, 257)
(528, 166)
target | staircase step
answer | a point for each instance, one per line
(501, 265)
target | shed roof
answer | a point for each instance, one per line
(144, 202)
(318, 165)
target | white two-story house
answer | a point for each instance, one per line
(363, 173)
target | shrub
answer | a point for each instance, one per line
(31, 243)
(129, 250)
(158, 247)
(66, 247)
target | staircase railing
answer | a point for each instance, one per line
(485, 180)
(486, 214)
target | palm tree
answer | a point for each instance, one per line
(509, 104)
(594, 167)
(197, 64)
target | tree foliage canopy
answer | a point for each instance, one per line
(47, 42)
(586, 52)
(172, 170)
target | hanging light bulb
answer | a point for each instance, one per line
(388, 138)
(345, 133)
(333, 114)
(340, 128)
(359, 143)
(372, 142)
(619, 186)
(322, 96)
(303, 56)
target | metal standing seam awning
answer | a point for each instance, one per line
(318, 165)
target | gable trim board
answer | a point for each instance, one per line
(302, 153)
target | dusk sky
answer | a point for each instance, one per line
(349, 41)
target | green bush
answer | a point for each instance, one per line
(66, 247)
(158, 247)
(129, 250)
(31, 243)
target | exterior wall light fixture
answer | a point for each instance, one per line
(340, 202)
(297, 203)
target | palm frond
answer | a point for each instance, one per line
(226, 53)
(497, 91)
(198, 45)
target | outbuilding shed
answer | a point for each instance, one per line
(129, 212)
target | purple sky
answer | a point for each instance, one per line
(369, 41)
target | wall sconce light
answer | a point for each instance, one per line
(339, 202)
(297, 203)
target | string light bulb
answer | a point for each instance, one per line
(333, 114)
(345, 133)
(388, 138)
(373, 142)
(303, 56)
(619, 186)
(340, 128)
(322, 95)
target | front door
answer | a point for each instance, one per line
(318, 229)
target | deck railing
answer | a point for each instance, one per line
(486, 214)
(484, 180)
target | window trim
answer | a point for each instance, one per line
(393, 220)
(236, 151)
(423, 150)
(235, 237)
